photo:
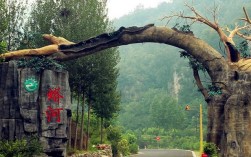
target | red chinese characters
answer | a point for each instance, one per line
(54, 95)
(51, 113)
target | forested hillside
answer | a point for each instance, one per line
(156, 83)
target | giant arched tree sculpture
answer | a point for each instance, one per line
(229, 114)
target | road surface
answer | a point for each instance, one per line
(163, 153)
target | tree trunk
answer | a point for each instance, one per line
(88, 125)
(82, 123)
(69, 134)
(101, 130)
(229, 115)
(76, 131)
(69, 126)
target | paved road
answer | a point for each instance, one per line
(163, 153)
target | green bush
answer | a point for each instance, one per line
(132, 142)
(133, 148)
(123, 147)
(114, 136)
(131, 138)
(20, 148)
(211, 149)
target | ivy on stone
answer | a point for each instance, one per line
(244, 49)
(39, 64)
(214, 90)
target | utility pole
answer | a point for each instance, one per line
(201, 131)
(187, 108)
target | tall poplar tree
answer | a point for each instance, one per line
(77, 20)
(107, 98)
(13, 13)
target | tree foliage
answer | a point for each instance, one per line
(21, 148)
(39, 64)
(13, 14)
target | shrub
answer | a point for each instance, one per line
(20, 148)
(210, 149)
(132, 142)
(114, 136)
(123, 147)
(133, 148)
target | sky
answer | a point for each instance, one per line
(118, 8)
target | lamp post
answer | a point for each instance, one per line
(201, 128)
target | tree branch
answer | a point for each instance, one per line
(224, 38)
(247, 19)
(199, 84)
(244, 36)
(204, 53)
(235, 31)
(43, 51)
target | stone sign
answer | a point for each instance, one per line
(35, 104)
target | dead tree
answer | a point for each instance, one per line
(229, 113)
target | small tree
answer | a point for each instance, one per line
(123, 147)
(114, 136)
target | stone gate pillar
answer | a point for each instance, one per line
(35, 104)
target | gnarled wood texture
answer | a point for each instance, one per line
(229, 115)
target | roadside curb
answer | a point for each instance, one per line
(193, 154)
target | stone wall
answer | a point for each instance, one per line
(11, 122)
(35, 104)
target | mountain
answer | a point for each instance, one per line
(151, 65)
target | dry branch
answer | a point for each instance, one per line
(43, 51)
(247, 19)
(233, 56)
